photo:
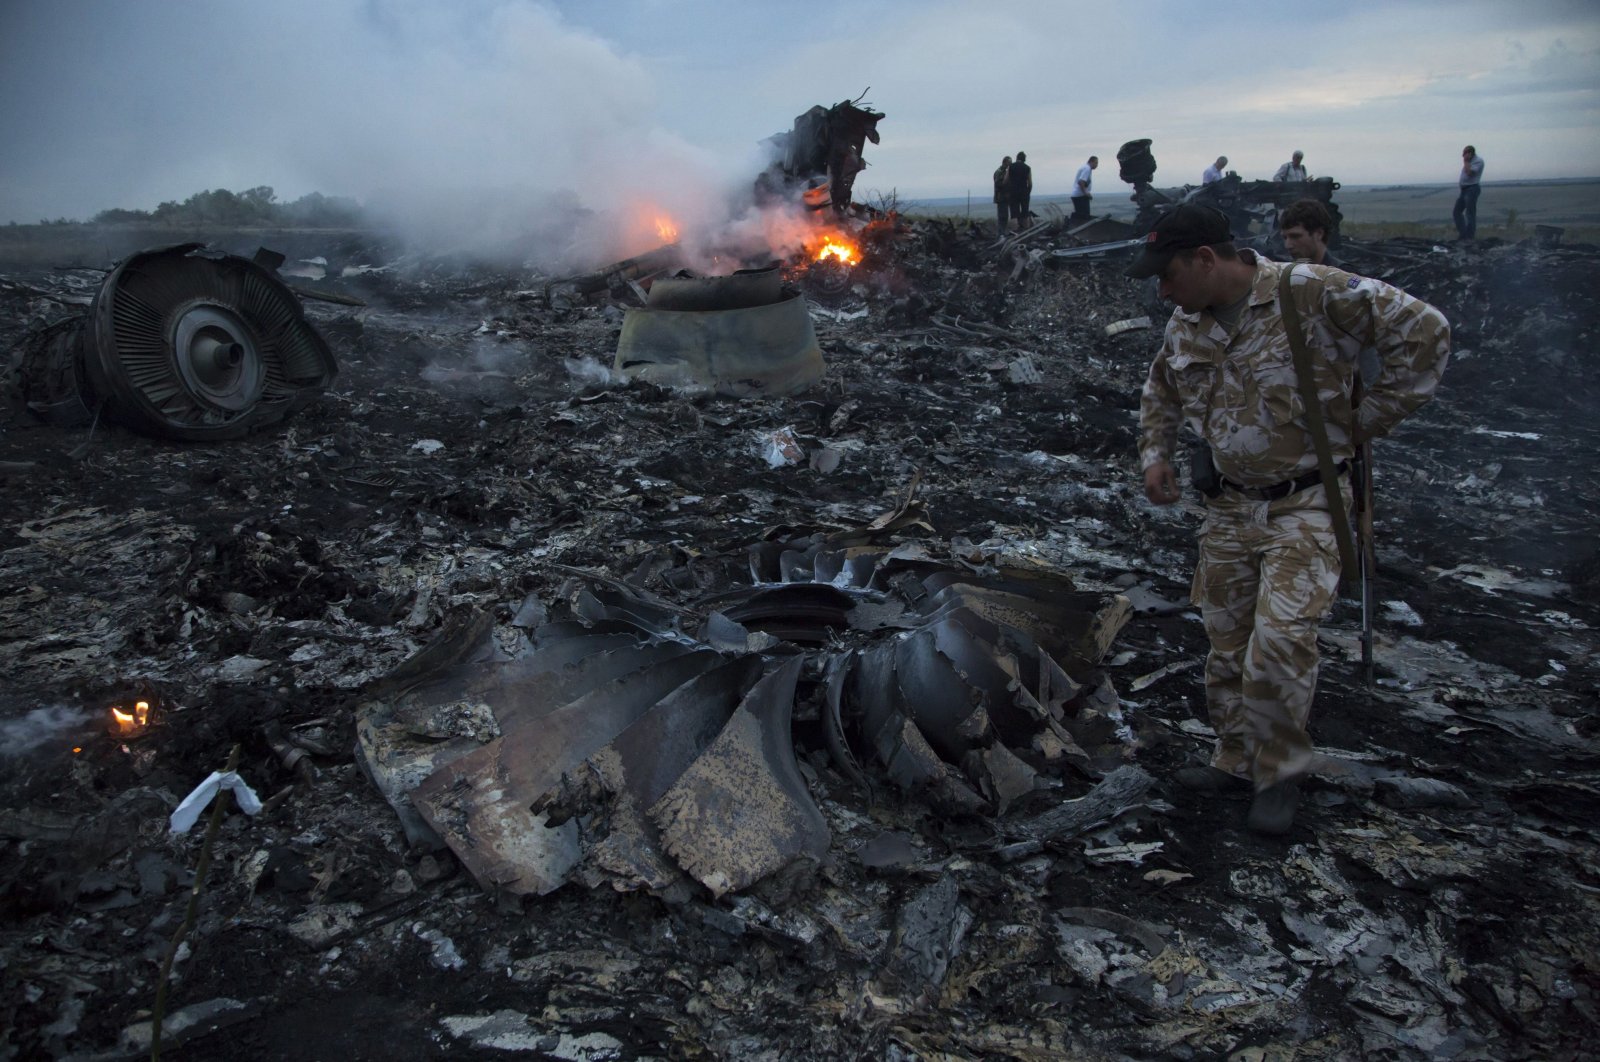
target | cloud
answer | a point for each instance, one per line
(464, 117)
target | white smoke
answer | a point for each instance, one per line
(590, 371)
(481, 127)
(503, 130)
(40, 727)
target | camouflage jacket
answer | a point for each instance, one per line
(1241, 395)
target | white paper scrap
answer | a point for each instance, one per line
(185, 814)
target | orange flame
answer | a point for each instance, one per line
(840, 248)
(666, 228)
(131, 722)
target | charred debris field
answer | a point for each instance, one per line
(478, 482)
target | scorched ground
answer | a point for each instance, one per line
(476, 453)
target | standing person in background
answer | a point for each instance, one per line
(1081, 188)
(1466, 211)
(1020, 182)
(1214, 171)
(1292, 170)
(1002, 197)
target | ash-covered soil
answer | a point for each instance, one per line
(1436, 899)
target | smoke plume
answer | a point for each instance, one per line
(492, 127)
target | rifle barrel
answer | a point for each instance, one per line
(1362, 469)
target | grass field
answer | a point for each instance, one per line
(1508, 211)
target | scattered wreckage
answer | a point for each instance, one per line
(744, 333)
(1437, 902)
(628, 746)
(1252, 206)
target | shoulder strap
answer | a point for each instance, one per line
(1307, 381)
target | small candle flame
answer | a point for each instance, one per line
(131, 722)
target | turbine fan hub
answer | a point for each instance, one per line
(217, 357)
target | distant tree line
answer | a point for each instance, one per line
(254, 207)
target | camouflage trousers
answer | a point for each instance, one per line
(1268, 573)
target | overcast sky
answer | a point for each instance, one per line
(117, 103)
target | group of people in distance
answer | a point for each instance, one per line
(1465, 214)
(1013, 188)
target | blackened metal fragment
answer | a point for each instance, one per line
(838, 672)
(610, 791)
(1121, 790)
(742, 811)
(927, 936)
(481, 804)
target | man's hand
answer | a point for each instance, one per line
(1161, 483)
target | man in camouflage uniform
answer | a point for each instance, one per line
(1269, 563)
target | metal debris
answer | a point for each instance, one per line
(741, 810)
(1248, 204)
(727, 341)
(816, 161)
(741, 289)
(630, 745)
(619, 275)
(181, 343)
(927, 939)
(1132, 324)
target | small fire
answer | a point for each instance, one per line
(666, 228)
(127, 724)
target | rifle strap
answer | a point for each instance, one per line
(1349, 562)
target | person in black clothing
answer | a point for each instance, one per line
(1002, 198)
(1021, 179)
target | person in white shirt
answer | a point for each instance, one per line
(1080, 188)
(1466, 211)
(1292, 170)
(1215, 170)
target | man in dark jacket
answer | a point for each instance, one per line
(1021, 181)
(1306, 226)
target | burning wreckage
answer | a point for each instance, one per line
(581, 584)
(820, 156)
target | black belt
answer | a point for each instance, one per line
(1287, 487)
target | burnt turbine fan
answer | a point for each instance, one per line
(193, 345)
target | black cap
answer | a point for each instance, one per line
(1182, 228)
